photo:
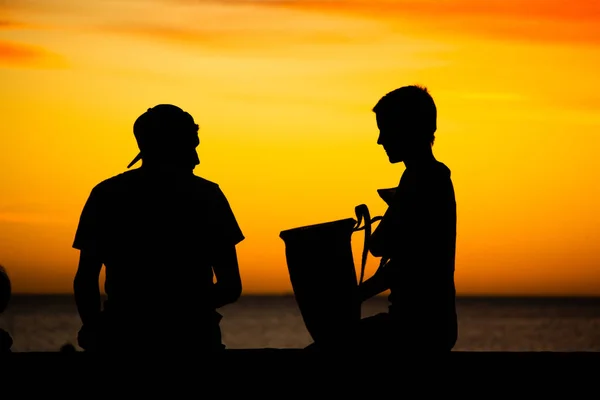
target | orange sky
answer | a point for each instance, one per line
(282, 91)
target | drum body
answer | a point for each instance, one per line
(323, 276)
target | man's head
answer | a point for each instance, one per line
(407, 120)
(166, 134)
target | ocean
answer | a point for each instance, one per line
(45, 323)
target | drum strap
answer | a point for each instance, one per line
(363, 215)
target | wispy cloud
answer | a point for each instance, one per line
(219, 25)
(228, 38)
(228, 25)
(7, 24)
(16, 54)
(559, 21)
(575, 21)
(29, 219)
(491, 96)
(19, 25)
(30, 213)
(557, 10)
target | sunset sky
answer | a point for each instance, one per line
(283, 92)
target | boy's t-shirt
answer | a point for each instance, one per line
(418, 235)
(158, 235)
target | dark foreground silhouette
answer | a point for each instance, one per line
(415, 239)
(163, 234)
(5, 294)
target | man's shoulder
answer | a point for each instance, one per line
(204, 183)
(120, 180)
(134, 180)
(206, 189)
(442, 168)
(434, 172)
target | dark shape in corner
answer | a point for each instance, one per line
(68, 348)
(163, 234)
(6, 340)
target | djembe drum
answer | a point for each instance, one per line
(323, 275)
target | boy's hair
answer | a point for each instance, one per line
(413, 103)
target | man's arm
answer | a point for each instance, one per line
(86, 287)
(377, 246)
(383, 237)
(228, 287)
(376, 241)
(386, 233)
(226, 234)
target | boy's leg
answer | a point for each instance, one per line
(375, 333)
(372, 333)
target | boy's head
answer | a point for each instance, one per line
(407, 119)
(166, 134)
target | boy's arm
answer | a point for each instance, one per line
(86, 285)
(386, 233)
(228, 287)
(86, 288)
(226, 234)
(379, 246)
(373, 286)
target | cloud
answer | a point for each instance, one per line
(15, 54)
(13, 25)
(6, 24)
(31, 218)
(491, 96)
(557, 21)
(32, 213)
(238, 39)
(575, 10)
(575, 21)
(225, 25)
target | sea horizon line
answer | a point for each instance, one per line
(465, 297)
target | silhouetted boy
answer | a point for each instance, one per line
(161, 232)
(417, 234)
(6, 341)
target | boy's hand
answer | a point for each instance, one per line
(87, 337)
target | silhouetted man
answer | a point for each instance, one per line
(161, 232)
(417, 235)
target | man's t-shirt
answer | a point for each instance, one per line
(157, 235)
(418, 235)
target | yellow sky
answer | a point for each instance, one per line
(282, 91)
